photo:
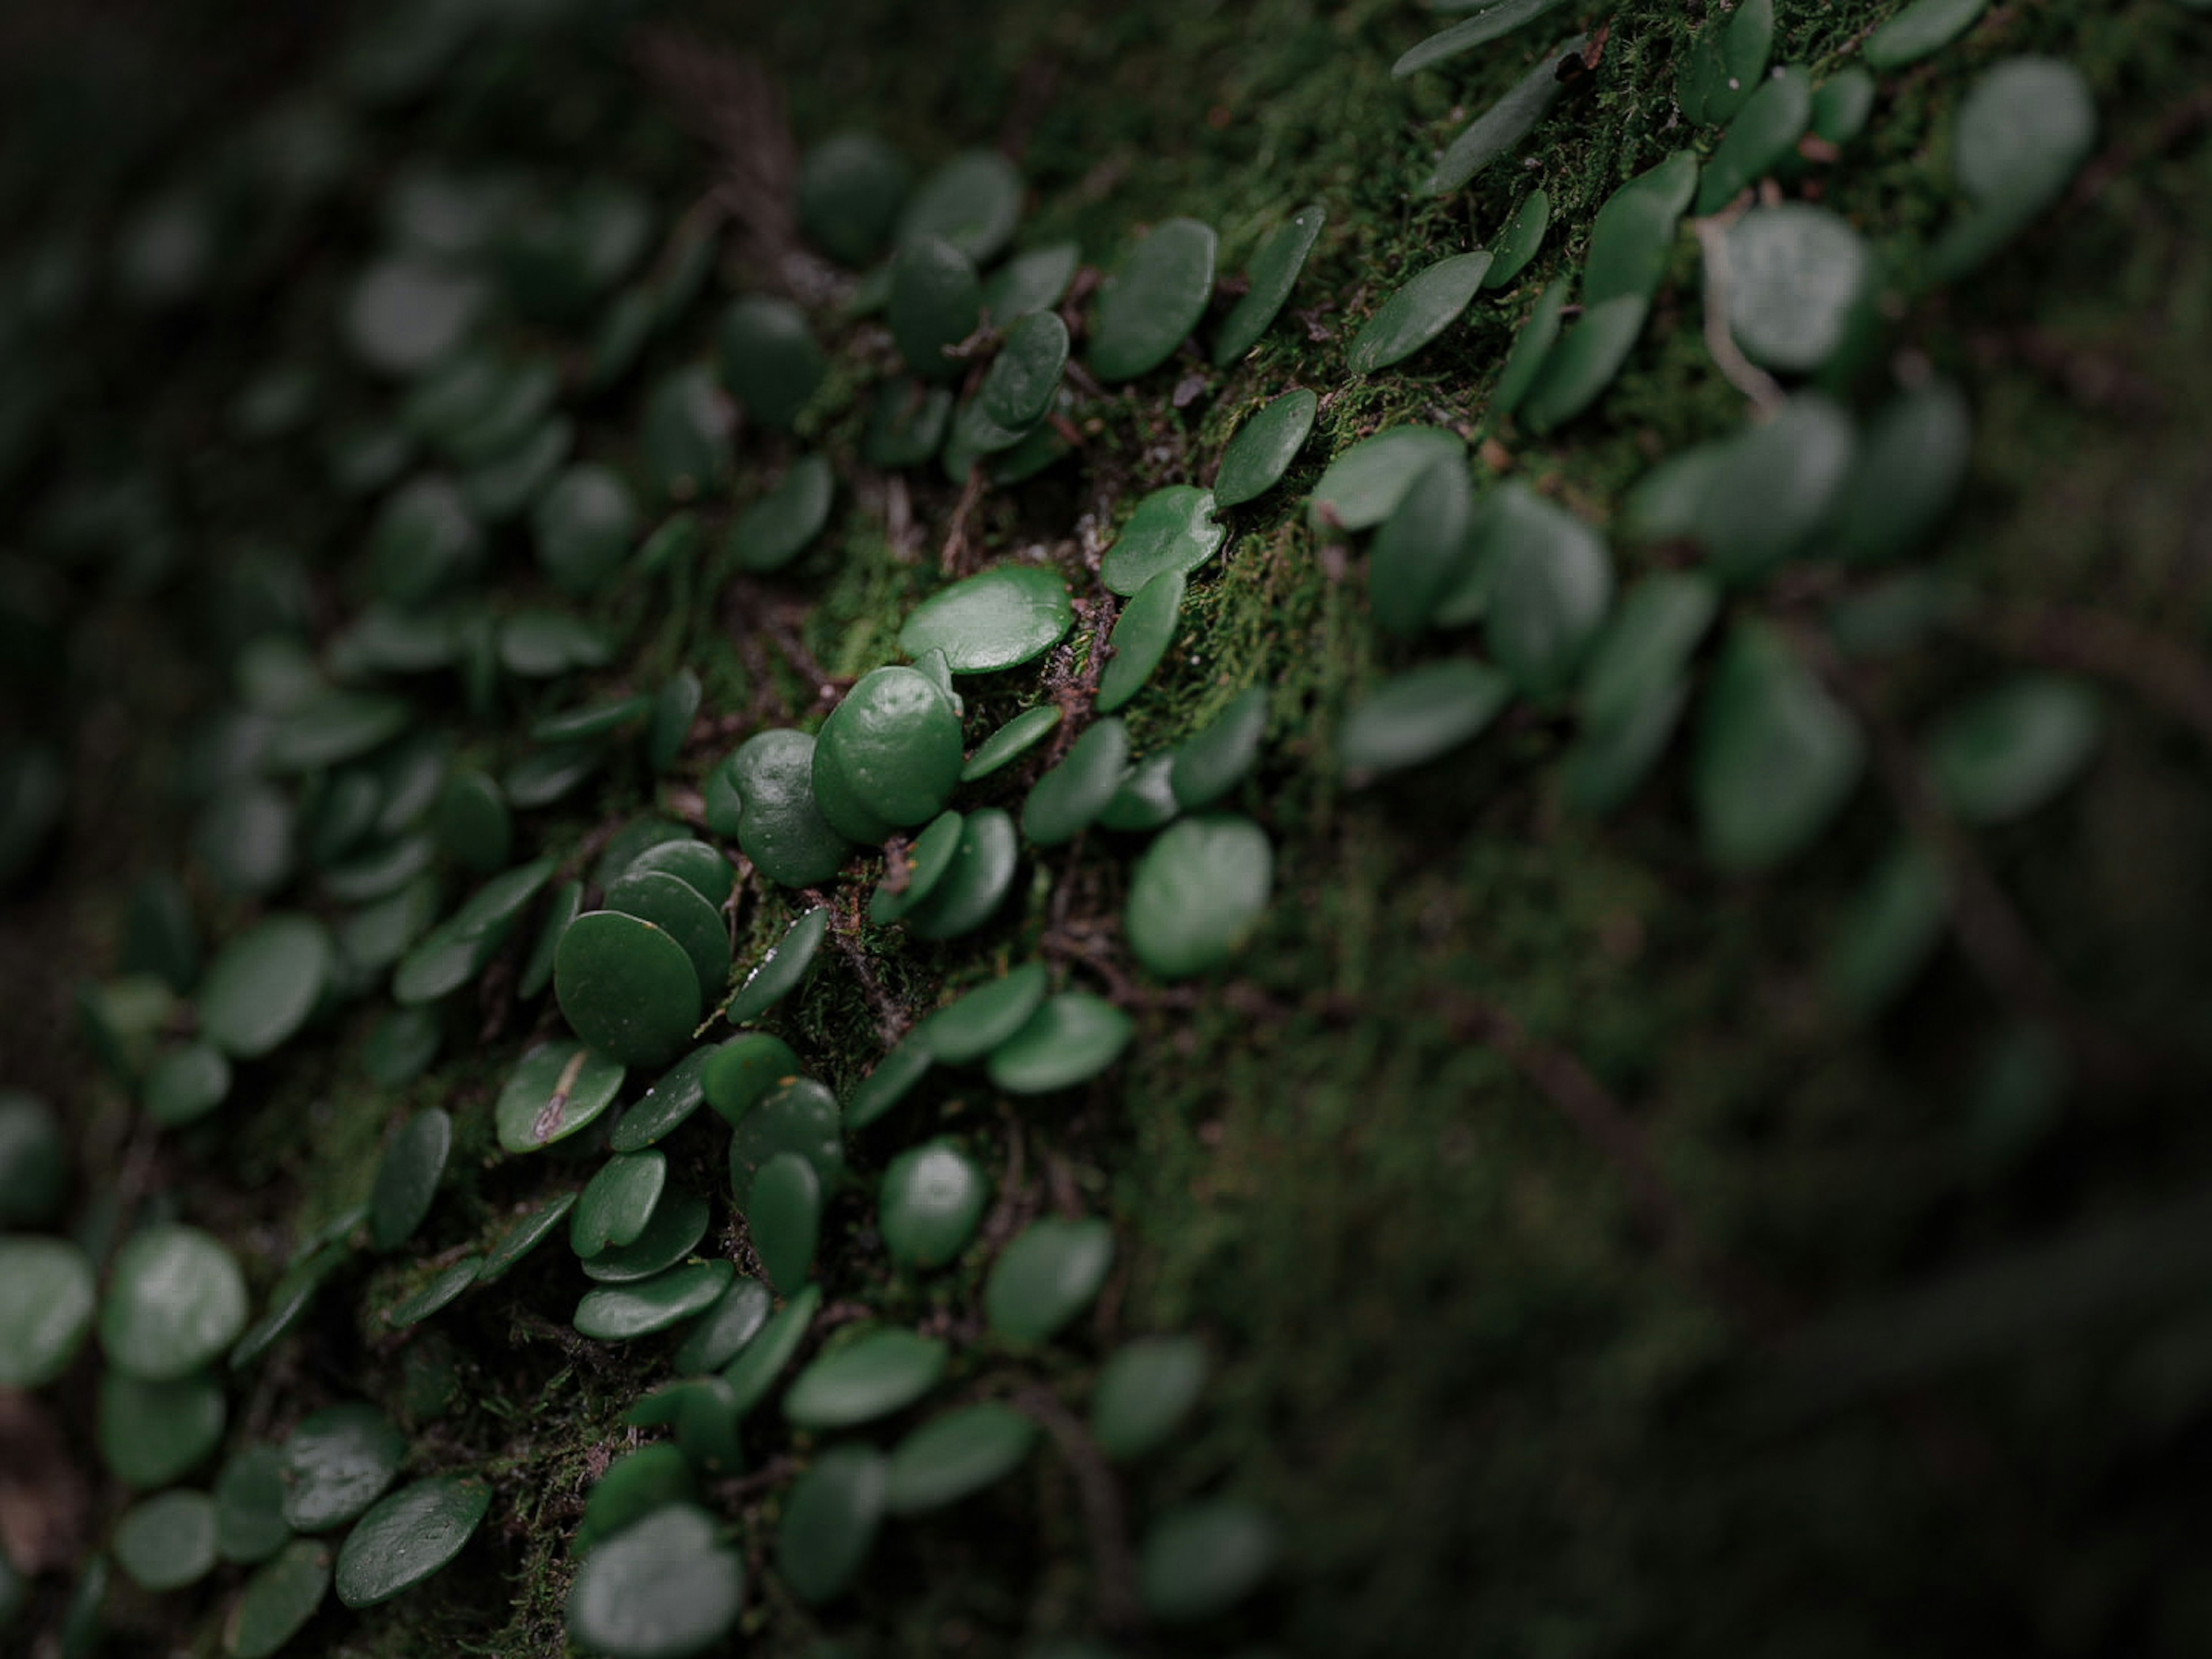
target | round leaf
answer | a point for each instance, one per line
(931, 1204)
(336, 1462)
(1264, 447)
(46, 1296)
(830, 1522)
(556, 1090)
(999, 619)
(626, 988)
(408, 1536)
(663, 1588)
(961, 1452)
(1050, 1273)
(1198, 893)
(1172, 528)
(175, 1301)
(261, 990)
(1150, 304)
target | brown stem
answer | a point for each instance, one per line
(1104, 1516)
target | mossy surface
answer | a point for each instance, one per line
(1580, 1282)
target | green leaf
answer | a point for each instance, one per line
(1531, 349)
(1010, 741)
(1414, 717)
(1776, 758)
(723, 1331)
(1907, 471)
(1153, 301)
(249, 1506)
(1201, 1560)
(800, 1115)
(1499, 129)
(1363, 485)
(2014, 748)
(761, 1360)
(972, 201)
(1145, 1392)
(679, 1222)
(769, 359)
(782, 523)
(966, 1029)
(407, 1178)
(408, 1537)
(888, 757)
(1220, 755)
(1423, 549)
(871, 1375)
(1921, 30)
(1725, 65)
(1798, 279)
(1046, 1276)
(954, 1456)
(1518, 242)
(676, 909)
(152, 1434)
(850, 189)
(46, 1297)
(626, 988)
(438, 1294)
(931, 1203)
(622, 1313)
(635, 1485)
(687, 433)
(1770, 494)
(584, 525)
(1489, 22)
(2024, 130)
(1551, 583)
(779, 824)
(1198, 893)
(742, 1071)
(1065, 801)
(261, 988)
(1069, 1039)
(1891, 929)
(927, 862)
(1031, 282)
(1019, 387)
(972, 892)
(278, 1600)
(663, 1588)
(1841, 104)
(936, 301)
(1274, 272)
(175, 1301)
(781, 970)
(336, 1462)
(1634, 231)
(557, 1088)
(1647, 647)
(186, 1083)
(999, 619)
(1171, 529)
(830, 1522)
(783, 1215)
(1264, 447)
(893, 1080)
(1418, 312)
(1141, 637)
(1761, 138)
(618, 1201)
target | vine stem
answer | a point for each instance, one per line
(1105, 1517)
(1755, 383)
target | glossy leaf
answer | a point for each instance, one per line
(1418, 312)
